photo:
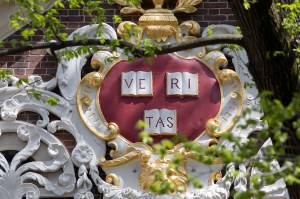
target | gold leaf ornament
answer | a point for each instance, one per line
(176, 177)
(130, 7)
(160, 33)
(187, 6)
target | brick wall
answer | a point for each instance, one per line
(40, 63)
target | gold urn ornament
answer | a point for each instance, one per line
(160, 24)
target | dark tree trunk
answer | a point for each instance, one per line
(263, 36)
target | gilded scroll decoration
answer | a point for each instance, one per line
(119, 161)
(112, 179)
(94, 78)
(215, 176)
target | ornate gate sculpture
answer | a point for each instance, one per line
(104, 106)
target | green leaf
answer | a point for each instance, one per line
(167, 143)
(4, 74)
(246, 5)
(59, 4)
(28, 33)
(13, 43)
(140, 125)
(238, 30)
(290, 179)
(155, 187)
(144, 136)
(117, 19)
(36, 94)
(22, 81)
(52, 101)
(210, 31)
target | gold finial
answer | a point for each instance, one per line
(158, 3)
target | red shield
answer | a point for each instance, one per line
(192, 112)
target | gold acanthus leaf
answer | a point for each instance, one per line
(130, 7)
(160, 33)
(187, 6)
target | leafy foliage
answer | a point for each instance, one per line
(4, 74)
(244, 151)
(291, 20)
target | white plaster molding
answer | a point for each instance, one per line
(36, 81)
(218, 29)
(69, 71)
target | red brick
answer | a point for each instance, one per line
(51, 58)
(34, 58)
(76, 18)
(17, 64)
(70, 143)
(63, 12)
(65, 136)
(51, 71)
(19, 71)
(214, 11)
(38, 52)
(22, 117)
(34, 65)
(36, 71)
(225, 11)
(201, 11)
(198, 18)
(231, 17)
(48, 64)
(215, 5)
(73, 25)
(7, 58)
(215, 18)
(3, 65)
(74, 12)
(20, 58)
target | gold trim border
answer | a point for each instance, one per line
(112, 163)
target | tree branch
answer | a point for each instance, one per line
(203, 41)
(199, 42)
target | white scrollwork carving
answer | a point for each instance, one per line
(82, 154)
(13, 187)
(240, 183)
(36, 81)
(84, 184)
(277, 189)
(27, 102)
(16, 177)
